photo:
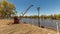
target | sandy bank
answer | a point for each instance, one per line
(22, 28)
(5, 21)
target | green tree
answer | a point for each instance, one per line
(7, 9)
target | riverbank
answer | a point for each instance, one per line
(22, 28)
(5, 21)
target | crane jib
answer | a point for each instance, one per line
(26, 11)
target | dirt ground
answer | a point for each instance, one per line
(22, 28)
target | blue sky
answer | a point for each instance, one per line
(47, 6)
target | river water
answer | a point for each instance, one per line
(46, 23)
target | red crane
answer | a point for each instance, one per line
(16, 20)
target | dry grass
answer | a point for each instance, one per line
(5, 21)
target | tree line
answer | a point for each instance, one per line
(55, 16)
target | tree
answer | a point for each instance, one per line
(7, 9)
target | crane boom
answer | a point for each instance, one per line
(27, 10)
(23, 13)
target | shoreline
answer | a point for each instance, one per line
(24, 29)
(4, 24)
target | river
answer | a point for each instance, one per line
(46, 23)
